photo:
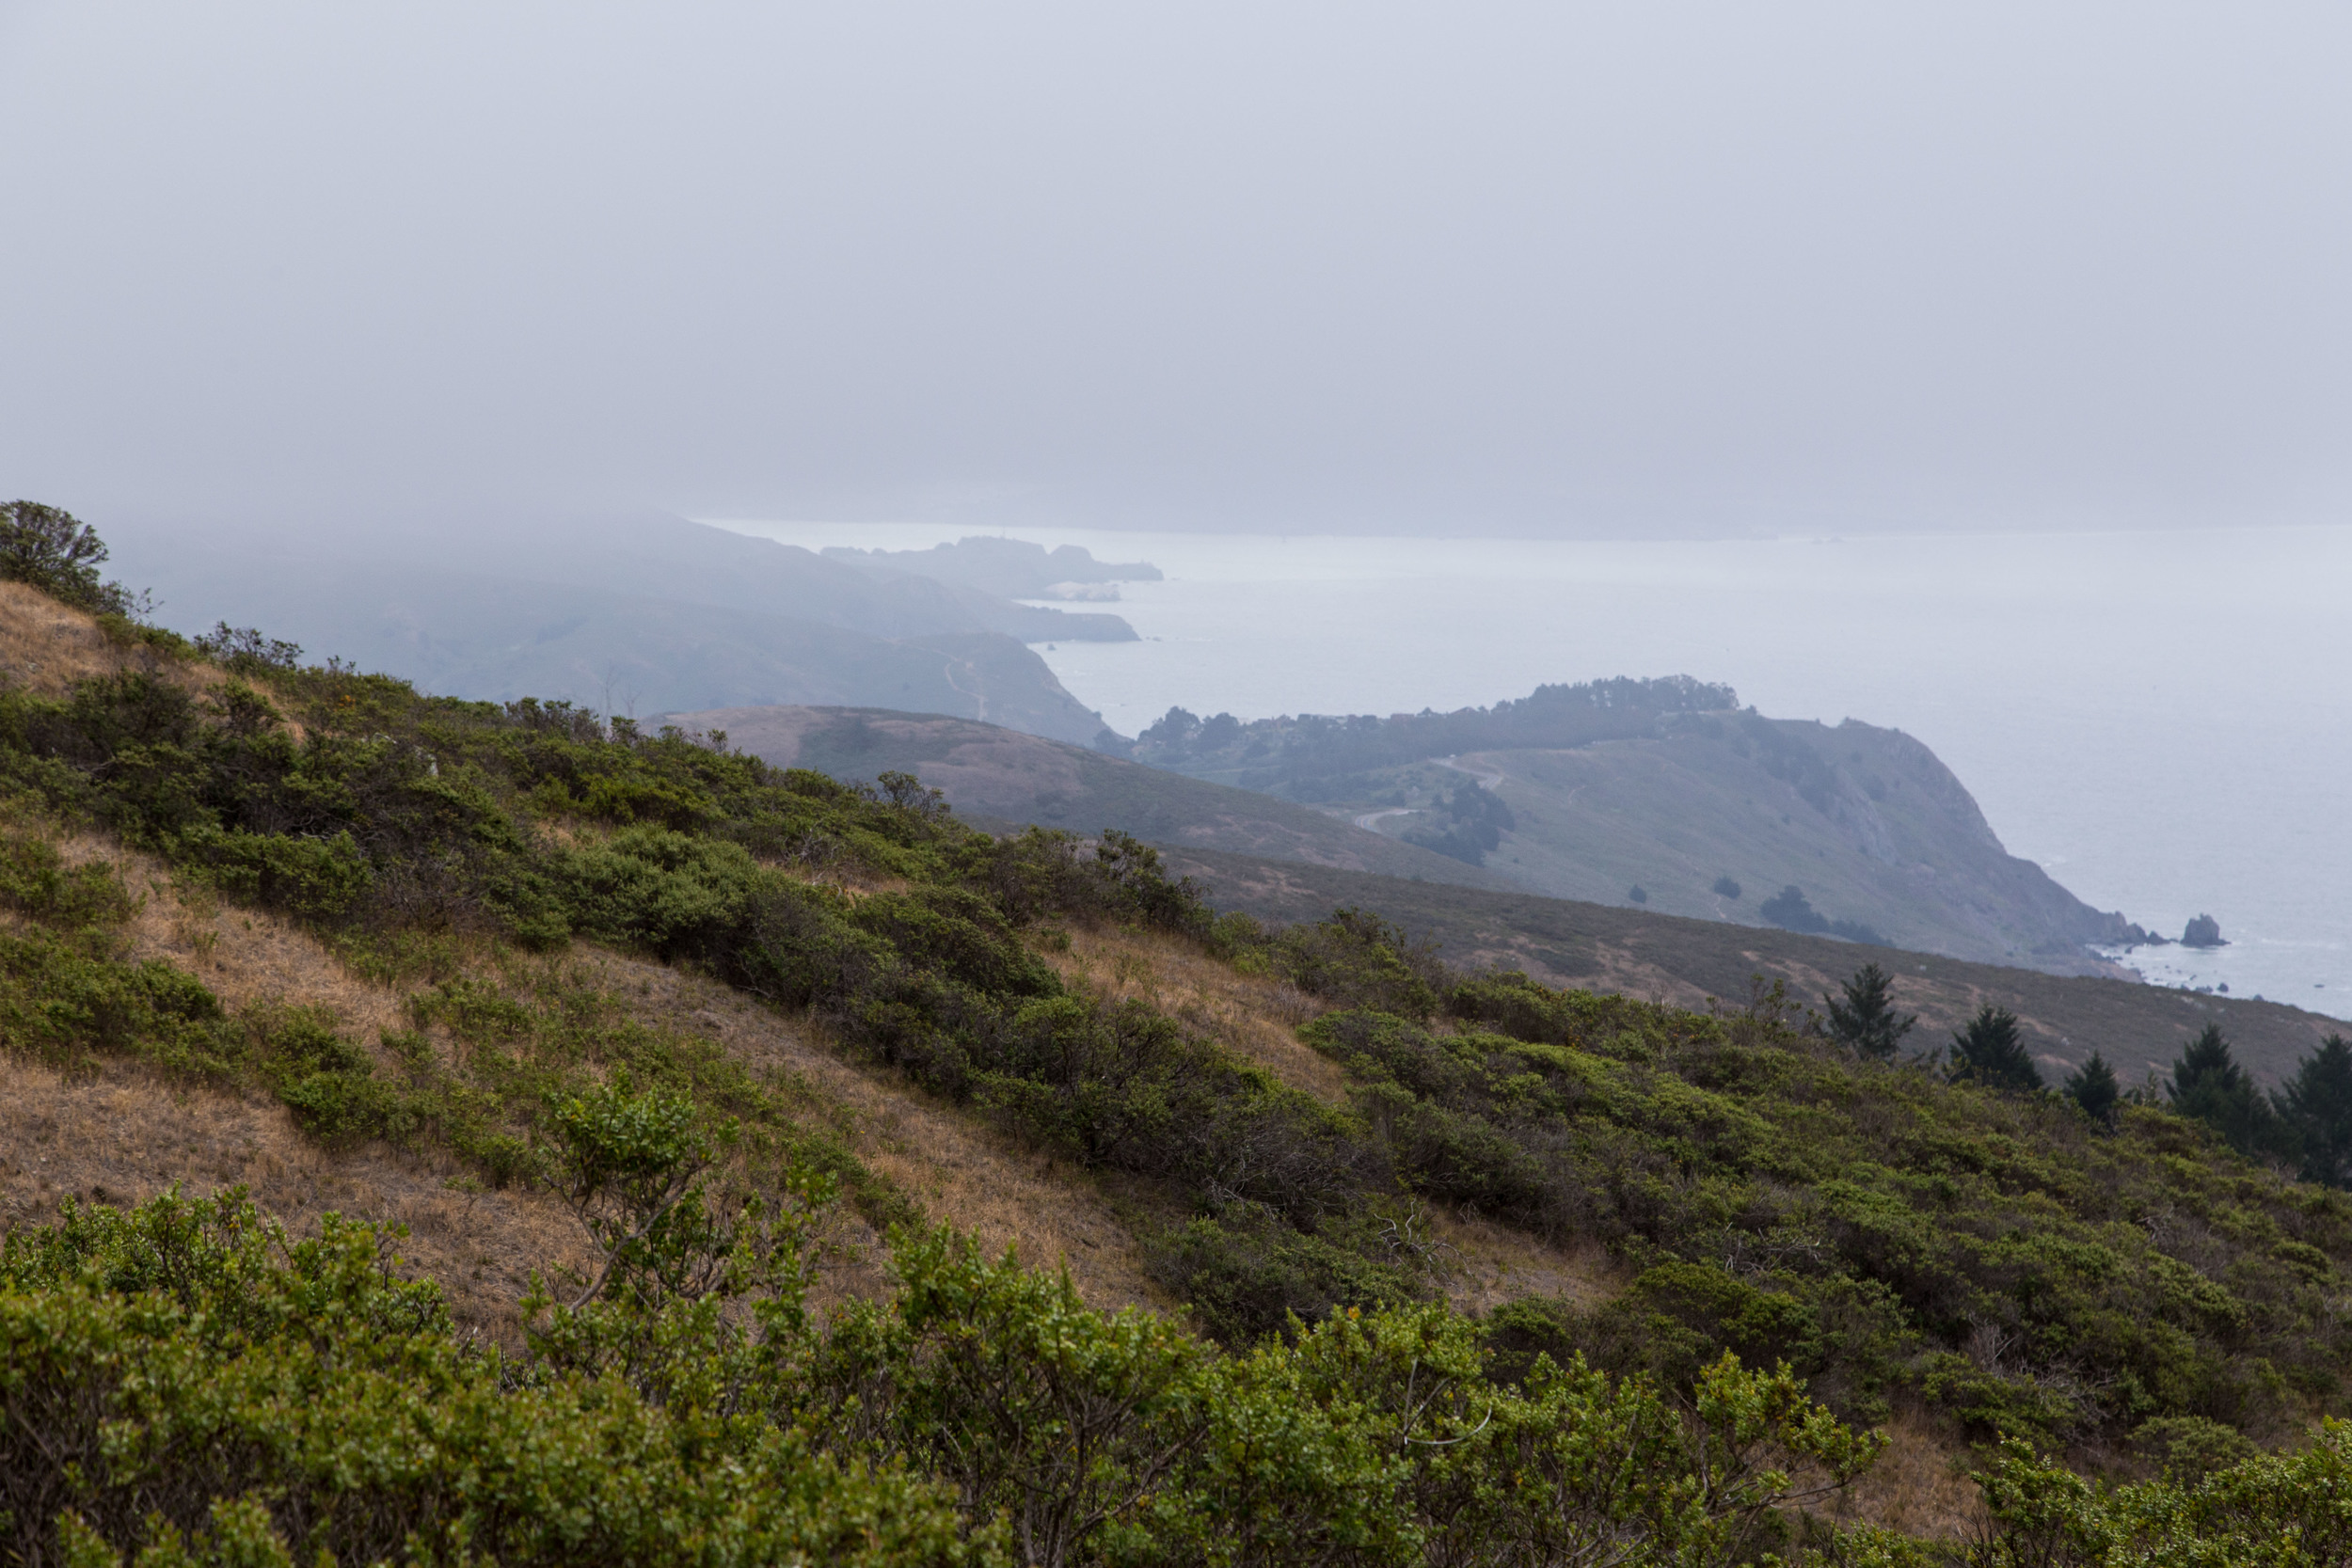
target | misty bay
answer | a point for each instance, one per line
(2156, 717)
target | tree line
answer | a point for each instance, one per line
(2305, 1124)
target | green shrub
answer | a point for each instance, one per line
(1247, 1273)
(302, 875)
(958, 934)
(60, 1004)
(35, 882)
(1358, 959)
(197, 1386)
(671, 892)
(52, 550)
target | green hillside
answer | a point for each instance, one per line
(2140, 1028)
(1663, 795)
(1818, 1264)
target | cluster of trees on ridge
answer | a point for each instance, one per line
(1469, 823)
(1791, 911)
(2305, 1124)
(182, 1382)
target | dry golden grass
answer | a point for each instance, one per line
(245, 956)
(1255, 1018)
(126, 1134)
(1919, 1485)
(957, 1169)
(45, 647)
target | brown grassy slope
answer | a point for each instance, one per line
(2140, 1028)
(129, 1133)
(45, 647)
(956, 1168)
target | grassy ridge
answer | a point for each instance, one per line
(2139, 1028)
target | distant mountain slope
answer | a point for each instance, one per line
(2140, 1028)
(997, 774)
(637, 551)
(1867, 823)
(625, 612)
(499, 639)
(1595, 792)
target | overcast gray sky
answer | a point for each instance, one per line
(1572, 268)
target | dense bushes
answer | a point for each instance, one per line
(185, 1382)
(446, 816)
(1883, 1233)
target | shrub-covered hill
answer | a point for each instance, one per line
(183, 1380)
(2140, 1029)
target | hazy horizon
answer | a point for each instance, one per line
(1505, 270)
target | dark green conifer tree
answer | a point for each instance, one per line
(1991, 1051)
(1864, 1020)
(2095, 1090)
(2208, 1086)
(2316, 1110)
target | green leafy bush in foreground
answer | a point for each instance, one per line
(183, 1381)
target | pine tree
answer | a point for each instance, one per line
(2095, 1090)
(2315, 1108)
(1991, 1051)
(1864, 1020)
(2208, 1086)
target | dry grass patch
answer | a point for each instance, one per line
(1919, 1485)
(45, 647)
(244, 956)
(956, 1168)
(125, 1135)
(1255, 1017)
(1489, 1264)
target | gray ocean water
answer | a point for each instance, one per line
(2163, 721)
